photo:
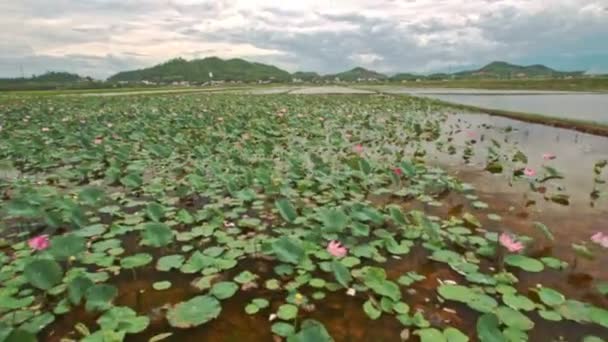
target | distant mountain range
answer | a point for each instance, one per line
(200, 71)
(216, 69)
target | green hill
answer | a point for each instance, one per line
(357, 74)
(506, 70)
(405, 76)
(306, 76)
(49, 80)
(203, 70)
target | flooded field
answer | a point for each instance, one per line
(230, 217)
(561, 104)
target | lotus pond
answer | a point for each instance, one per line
(232, 217)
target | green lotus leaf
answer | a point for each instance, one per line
(156, 234)
(65, 246)
(288, 250)
(430, 335)
(287, 211)
(525, 263)
(43, 274)
(136, 260)
(371, 310)
(122, 318)
(194, 312)
(282, 329)
(287, 312)
(551, 297)
(224, 289)
(77, 288)
(99, 297)
(169, 262)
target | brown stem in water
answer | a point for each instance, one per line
(500, 253)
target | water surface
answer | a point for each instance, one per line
(585, 106)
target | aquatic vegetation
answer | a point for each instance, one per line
(227, 216)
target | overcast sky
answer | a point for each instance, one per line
(101, 37)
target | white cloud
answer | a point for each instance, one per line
(100, 37)
(366, 59)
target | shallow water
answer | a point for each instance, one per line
(560, 104)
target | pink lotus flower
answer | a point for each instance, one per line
(398, 172)
(358, 148)
(601, 239)
(508, 242)
(471, 134)
(529, 172)
(548, 156)
(336, 249)
(39, 242)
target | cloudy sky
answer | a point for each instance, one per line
(102, 37)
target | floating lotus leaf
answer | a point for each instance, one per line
(224, 289)
(454, 335)
(513, 318)
(65, 246)
(36, 324)
(525, 263)
(288, 250)
(334, 220)
(122, 318)
(194, 312)
(77, 289)
(430, 335)
(43, 274)
(287, 312)
(99, 297)
(283, 329)
(487, 329)
(161, 285)
(156, 234)
(550, 297)
(155, 211)
(312, 331)
(169, 262)
(136, 260)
